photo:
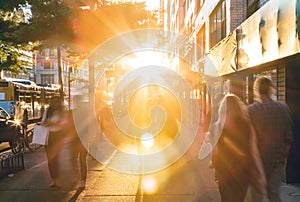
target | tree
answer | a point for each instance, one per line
(10, 17)
(9, 59)
(51, 25)
(57, 23)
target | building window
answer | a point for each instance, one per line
(198, 6)
(45, 52)
(47, 78)
(201, 43)
(217, 24)
(47, 65)
(262, 2)
(252, 6)
(250, 2)
(53, 52)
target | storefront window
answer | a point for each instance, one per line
(277, 75)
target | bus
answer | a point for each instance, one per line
(23, 100)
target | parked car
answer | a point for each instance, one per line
(10, 132)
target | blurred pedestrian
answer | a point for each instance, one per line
(272, 122)
(79, 151)
(79, 136)
(235, 157)
(55, 119)
(212, 113)
(211, 117)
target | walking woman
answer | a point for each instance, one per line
(54, 119)
(235, 156)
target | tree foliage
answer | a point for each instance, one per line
(10, 5)
(10, 52)
(9, 59)
(50, 23)
(65, 22)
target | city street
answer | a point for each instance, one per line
(104, 184)
(187, 180)
(144, 81)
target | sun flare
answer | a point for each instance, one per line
(146, 58)
(150, 4)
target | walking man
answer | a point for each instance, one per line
(272, 122)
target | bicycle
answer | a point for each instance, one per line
(11, 132)
(27, 138)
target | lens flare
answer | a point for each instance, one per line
(149, 185)
(147, 140)
(145, 107)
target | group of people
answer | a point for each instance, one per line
(251, 149)
(62, 129)
(252, 146)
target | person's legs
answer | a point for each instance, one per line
(52, 152)
(83, 164)
(233, 190)
(274, 177)
(256, 195)
(52, 163)
(224, 192)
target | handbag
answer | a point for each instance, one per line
(40, 135)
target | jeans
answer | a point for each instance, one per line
(274, 177)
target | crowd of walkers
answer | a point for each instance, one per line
(252, 145)
(251, 148)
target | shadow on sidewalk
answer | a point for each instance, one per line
(76, 195)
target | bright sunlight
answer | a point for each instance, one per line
(150, 4)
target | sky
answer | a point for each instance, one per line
(150, 4)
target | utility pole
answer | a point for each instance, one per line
(61, 90)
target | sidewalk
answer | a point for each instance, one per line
(187, 181)
(32, 183)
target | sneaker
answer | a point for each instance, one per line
(82, 184)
